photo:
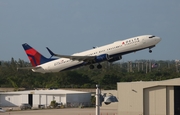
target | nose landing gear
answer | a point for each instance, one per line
(150, 51)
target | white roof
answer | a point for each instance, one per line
(148, 84)
(58, 91)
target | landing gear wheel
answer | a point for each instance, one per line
(91, 66)
(99, 66)
(150, 51)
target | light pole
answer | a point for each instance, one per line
(97, 100)
(103, 98)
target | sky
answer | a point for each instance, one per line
(71, 26)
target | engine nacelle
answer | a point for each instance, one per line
(115, 58)
(102, 57)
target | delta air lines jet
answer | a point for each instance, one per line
(111, 52)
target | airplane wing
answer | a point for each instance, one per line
(79, 58)
(28, 67)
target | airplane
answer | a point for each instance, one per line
(110, 52)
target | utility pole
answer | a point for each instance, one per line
(146, 66)
(176, 64)
(138, 65)
(128, 66)
(142, 66)
(150, 66)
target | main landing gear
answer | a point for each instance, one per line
(91, 66)
(99, 66)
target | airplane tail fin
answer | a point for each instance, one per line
(34, 56)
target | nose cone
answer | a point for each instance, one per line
(158, 39)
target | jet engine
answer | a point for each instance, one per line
(101, 58)
(115, 58)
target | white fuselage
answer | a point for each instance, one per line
(119, 47)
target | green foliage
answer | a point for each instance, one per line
(13, 84)
(93, 100)
(83, 77)
(53, 104)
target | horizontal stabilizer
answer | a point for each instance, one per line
(28, 68)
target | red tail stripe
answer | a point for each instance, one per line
(36, 55)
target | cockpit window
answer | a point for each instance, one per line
(151, 36)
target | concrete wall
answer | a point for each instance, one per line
(45, 99)
(155, 101)
(170, 100)
(12, 100)
(78, 99)
(130, 99)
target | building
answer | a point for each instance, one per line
(44, 97)
(149, 97)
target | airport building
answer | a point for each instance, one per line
(134, 98)
(44, 97)
(149, 97)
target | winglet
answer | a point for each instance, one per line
(52, 53)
